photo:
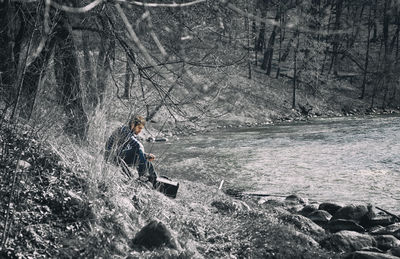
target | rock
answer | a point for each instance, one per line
(372, 249)
(369, 255)
(348, 241)
(295, 199)
(23, 165)
(394, 251)
(321, 217)
(150, 139)
(304, 224)
(393, 229)
(153, 235)
(379, 221)
(366, 219)
(308, 209)
(332, 208)
(386, 242)
(294, 208)
(352, 212)
(166, 139)
(342, 224)
(306, 239)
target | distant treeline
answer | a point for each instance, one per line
(90, 46)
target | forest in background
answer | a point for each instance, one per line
(181, 60)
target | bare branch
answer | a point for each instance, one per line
(160, 4)
(134, 37)
(83, 9)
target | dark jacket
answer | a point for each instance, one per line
(122, 140)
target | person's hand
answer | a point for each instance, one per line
(150, 157)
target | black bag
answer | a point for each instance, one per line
(166, 186)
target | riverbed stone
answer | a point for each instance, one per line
(332, 208)
(295, 199)
(321, 217)
(348, 241)
(369, 255)
(394, 251)
(308, 209)
(343, 224)
(380, 220)
(386, 242)
(393, 229)
(351, 212)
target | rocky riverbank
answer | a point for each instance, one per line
(353, 231)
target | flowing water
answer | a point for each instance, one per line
(346, 160)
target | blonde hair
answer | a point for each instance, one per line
(137, 120)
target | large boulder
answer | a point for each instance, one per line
(369, 255)
(342, 224)
(386, 242)
(351, 212)
(348, 241)
(332, 208)
(153, 235)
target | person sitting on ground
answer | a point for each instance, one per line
(124, 144)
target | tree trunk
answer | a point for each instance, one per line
(32, 77)
(103, 61)
(327, 41)
(281, 39)
(295, 72)
(88, 79)
(260, 41)
(268, 54)
(363, 86)
(128, 81)
(248, 33)
(337, 37)
(386, 57)
(8, 63)
(66, 53)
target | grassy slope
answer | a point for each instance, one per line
(90, 209)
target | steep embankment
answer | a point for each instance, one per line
(53, 210)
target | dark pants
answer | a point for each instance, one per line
(131, 158)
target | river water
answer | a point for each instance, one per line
(346, 160)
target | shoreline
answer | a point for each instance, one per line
(189, 130)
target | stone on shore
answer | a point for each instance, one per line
(308, 209)
(348, 241)
(386, 242)
(153, 235)
(343, 224)
(321, 217)
(393, 229)
(369, 255)
(394, 251)
(295, 199)
(380, 221)
(351, 212)
(332, 208)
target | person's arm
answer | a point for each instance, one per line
(143, 157)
